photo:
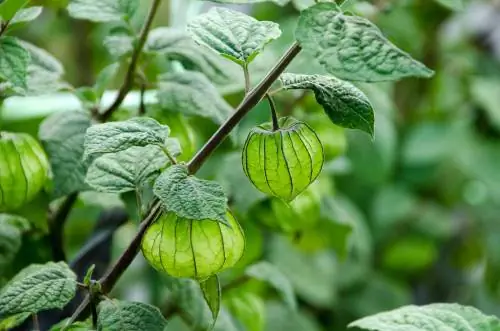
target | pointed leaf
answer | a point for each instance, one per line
(9, 8)
(14, 60)
(37, 288)
(103, 10)
(128, 170)
(439, 316)
(192, 93)
(114, 137)
(232, 34)
(129, 316)
(343, 102)
(353, 48)
(26, 15)
(212, 293)
(268, 273)
(62, 136)
(190, 197)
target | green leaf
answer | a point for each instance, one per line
(247, 308)
(232, 34)
(439, 316)
(114, 137)
(12, 321)
(9, 8)
(268, 273)
(486, 93)
(192, 93)
(128, 170)
(119, 45)
(26, 15)
(452, 4)
(353, 48)
(103, 10)
(88, 275)
(212, 293)
(76, 326)
(62, 136)
(37, 288)
(343, 102)
(191, 197)
(14, 60)
(10, 241)
(105, 77)
(129, 316)
(279, 2)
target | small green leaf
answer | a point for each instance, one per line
(62, 136)
(37, 288)
(128, 170)
(129, 316)
(343, 102)
(192, 93)
(232, 34)
(439, 316)
(12, 321)
(103, 10)
(268, 273)
(76, 326)
(10, 241)
(9, 8)
(191, 197)
(14, 60)
(247, 308)
(119, 44)
(88, 275)
(26, 15)
(212, 294)
(105, 77)
(114, 137)
(353, 48)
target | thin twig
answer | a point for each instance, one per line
(36, 323)
(109, 280)
(274, 115)
(246, 73)
(3, 27)
(56, 225)
(250, 100)
(129, 78)
(142, 104)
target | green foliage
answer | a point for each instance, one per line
(14, 60)
(128, 316)
(232, 34)
(352, 47)
(103, 11)
(212, 294)
(37, 288)
(431, 317)
(344, 103)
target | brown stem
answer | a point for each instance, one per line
(274, 115)
(250, 100)
(3, 27)
(129, 78)
(56, 224)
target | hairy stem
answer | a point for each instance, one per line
(56, 224)
(246, 73)
(129, 78)
(250, 100)
(109, 280)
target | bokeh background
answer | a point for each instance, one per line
(411, 216)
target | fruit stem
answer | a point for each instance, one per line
(246, 73)
(274, 115)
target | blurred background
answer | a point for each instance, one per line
(409, 217)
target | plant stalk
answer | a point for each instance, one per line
(274, 115)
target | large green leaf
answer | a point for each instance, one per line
(232, 34)
(268, 273)
(191, 197)
(192, 93)
(9, 8)
(352, 47)
(212, 293)
(38, 287)
(343, 102)
(430, 318)
(128, 170)
(114, 137)
(14, 60)
(114, 315)
(103, 10)
(62, 135)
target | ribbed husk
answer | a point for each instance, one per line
(283, 163)
(193, 249)
(24, 169)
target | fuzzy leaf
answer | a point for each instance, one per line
(114, 137)
(191, 197)
(10, 241)
(37, 288)
(14, 60)
(26, 15)
(127, 170)
(343, 102)
(212, 293)
(439, 316)
(103, 10)
(62, 136)
(11, 322)
(192, 93)
(232, 34)
(268, 273)
(129, 316)
(353, 48)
